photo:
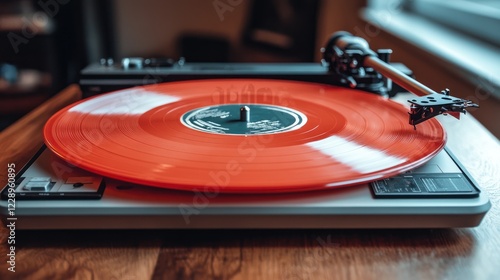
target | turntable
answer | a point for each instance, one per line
(210, 146)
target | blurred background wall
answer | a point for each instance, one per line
(70, 34)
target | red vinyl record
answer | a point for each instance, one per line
(242, 136)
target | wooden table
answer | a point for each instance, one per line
(260, 254)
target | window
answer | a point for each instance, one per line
(461, 33)
(478, 18)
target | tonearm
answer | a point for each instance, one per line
(351, 58)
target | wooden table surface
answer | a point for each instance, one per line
(260, 254)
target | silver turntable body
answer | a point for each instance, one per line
(50, 194)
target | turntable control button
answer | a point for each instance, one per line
(158, 62)
(108, 62)
(132, 63)
(40, 179)
(38, 184)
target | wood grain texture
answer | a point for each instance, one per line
(22, 139)
(263, 254)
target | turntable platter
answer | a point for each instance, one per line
(242, 136)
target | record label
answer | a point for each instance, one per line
(239, 119)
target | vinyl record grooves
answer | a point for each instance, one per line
(242, 136)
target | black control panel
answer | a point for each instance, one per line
(425, 186)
